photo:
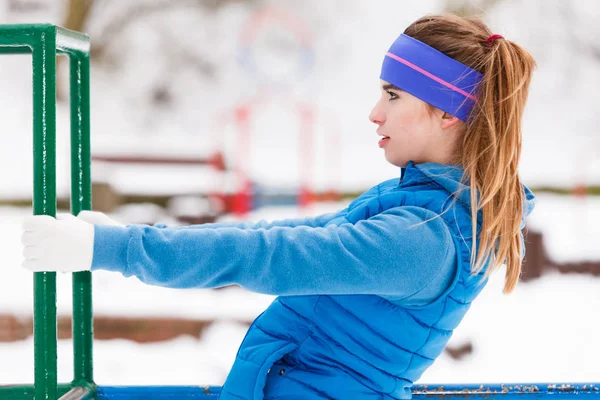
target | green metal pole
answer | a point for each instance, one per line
(81, 199)
(44, 203)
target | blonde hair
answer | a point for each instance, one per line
(490, 149)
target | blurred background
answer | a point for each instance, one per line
(222, 110)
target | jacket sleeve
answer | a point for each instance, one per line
(398, 252)
(314, 222)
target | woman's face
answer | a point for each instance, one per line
(409, 130)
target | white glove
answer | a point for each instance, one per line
(63, 244)
(97, 218)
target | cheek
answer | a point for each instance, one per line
(409, 122)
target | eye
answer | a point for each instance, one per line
(393, 96)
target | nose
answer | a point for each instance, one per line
(377, 116)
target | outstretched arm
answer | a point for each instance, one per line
(393, 253)
(99, 218)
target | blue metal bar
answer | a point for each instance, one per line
(157, 392)
(448, 392)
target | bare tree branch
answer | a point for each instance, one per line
(112, 31)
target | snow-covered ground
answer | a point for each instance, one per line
(546, 331)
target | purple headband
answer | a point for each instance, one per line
(431, 76)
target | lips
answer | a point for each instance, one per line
(383, 141)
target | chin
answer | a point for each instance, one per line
(397, 163)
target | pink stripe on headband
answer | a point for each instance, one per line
(428, 74)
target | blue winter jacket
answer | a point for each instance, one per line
(368, 296)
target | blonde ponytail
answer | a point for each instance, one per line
(491, 146)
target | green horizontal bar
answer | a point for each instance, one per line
(25, 392)
(21, 28)
(21, 38)
(17, 49)
(8, 50)
(24, 35)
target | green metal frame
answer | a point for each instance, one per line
(44, 42)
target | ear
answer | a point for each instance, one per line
(448, 120)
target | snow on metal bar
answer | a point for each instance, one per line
(507, 391)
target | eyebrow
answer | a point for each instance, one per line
(389, 86)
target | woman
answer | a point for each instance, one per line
(370, 295)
